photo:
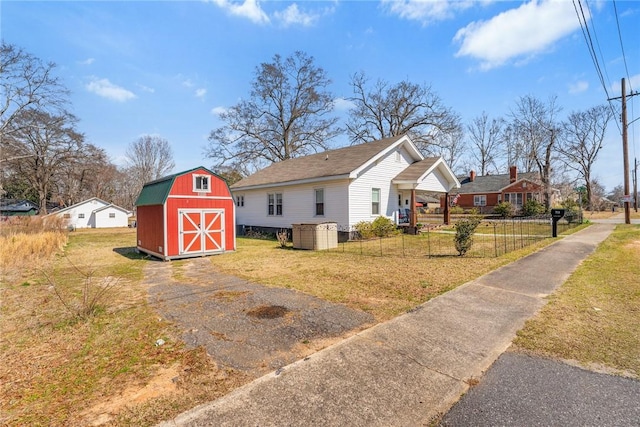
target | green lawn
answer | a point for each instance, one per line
(594, 318)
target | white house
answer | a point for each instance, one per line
(94, 213)
(346, 186)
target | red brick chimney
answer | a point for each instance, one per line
(513, 174)
(472, 176)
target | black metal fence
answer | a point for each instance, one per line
(492, 238)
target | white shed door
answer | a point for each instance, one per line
(201, 231)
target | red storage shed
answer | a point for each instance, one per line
(188, 214)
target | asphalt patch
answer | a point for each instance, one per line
(244, 325)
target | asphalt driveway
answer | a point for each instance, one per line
(243, 325)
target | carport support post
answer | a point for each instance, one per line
(447, 216)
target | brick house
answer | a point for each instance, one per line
(485, 192)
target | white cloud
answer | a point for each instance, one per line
(578, 87)
(200, 93)
(106, 89)
(426, 11)
(342, 104)
(631, 83)
(187, 83)
(216, 111)
(522, 32)
(145, 88)
(247, 9)
(293, 16)
(87, 61)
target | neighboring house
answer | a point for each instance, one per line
(345, 186)
(485, 192)
(18, 208)
(187, 214)
(93, 213)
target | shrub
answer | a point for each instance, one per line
(456, 210)
(504, 209)
(464, 233)
(532, 208)
(383, 227)
(380, 227)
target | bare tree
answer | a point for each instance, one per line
(486, 138)
(450, 146)
(404, 108)
(582, 136)
(90, 174)
(535, 125)
(27, 83)
(148, 158)
(40, 145)
(286, 116)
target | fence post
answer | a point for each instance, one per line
(495, 239)
(428, 242)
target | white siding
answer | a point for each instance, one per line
(102, 219)
(435, 182)
(377, 176)
(80, 215)
(298, 205)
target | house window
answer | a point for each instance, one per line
(66, 216)
(201, 183)
(240, 200)
(274, 204)
(375, 201)
(319, 201)
(80, 215)
(112, 214)
(399, 200)
(480, 200)
(513, 198)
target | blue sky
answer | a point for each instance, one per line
(167, 67)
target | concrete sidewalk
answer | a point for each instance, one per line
(413, 368)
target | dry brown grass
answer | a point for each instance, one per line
(383, 286)
(594, 317)
(27, 244)
(59, 370)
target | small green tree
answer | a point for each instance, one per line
(383, 227)
(464, 233)
(504, 209)
(532, 208)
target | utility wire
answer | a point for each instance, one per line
(626, 69)
(594, 58)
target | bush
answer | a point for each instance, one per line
(456, 210)
(532, 208)
(571, 211)
(464, 233)
(504, 209)
(380, 227)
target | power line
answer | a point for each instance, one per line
(624, 57)
(582, 19)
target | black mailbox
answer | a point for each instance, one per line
(556, 214)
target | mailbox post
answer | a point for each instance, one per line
(556, 214)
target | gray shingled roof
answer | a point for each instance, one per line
(341, 161)
(490, 183)
(416, 170)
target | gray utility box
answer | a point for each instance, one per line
(315, 237)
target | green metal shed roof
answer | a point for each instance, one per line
(156, 192)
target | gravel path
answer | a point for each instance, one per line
(244, 325)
